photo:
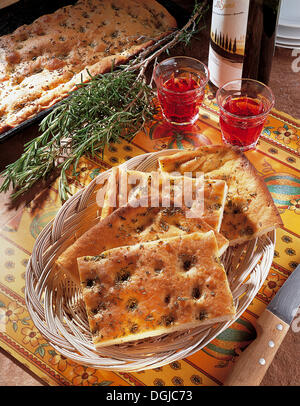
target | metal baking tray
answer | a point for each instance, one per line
(26, 11)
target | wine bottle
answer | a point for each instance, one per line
(260, 39)
(242, 40)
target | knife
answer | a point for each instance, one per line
(272, 326)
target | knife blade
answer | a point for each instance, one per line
(272, 326)
(287, 299)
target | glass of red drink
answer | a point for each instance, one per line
(244, 106)
(180, 83)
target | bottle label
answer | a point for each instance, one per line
(227, 40)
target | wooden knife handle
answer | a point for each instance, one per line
(252, 364)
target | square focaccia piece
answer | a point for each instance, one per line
(249, 208)
(149, 289)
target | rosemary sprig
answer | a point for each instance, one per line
(100, 111)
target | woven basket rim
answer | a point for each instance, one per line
(58, 312)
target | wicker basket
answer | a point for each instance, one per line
(57, 309)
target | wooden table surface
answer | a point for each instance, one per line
(285, 83)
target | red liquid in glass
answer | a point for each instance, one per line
(180, 98)
(241, 131)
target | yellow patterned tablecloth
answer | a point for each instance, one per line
(277, 159)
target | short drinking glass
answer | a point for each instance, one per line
(180, 83)
(244, 106)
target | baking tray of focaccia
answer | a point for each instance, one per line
(47, 47)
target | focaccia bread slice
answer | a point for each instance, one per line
(125, 185)
(117, 195)
(42, 62)
(155, 288)
(131, 225)
(249, 208)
